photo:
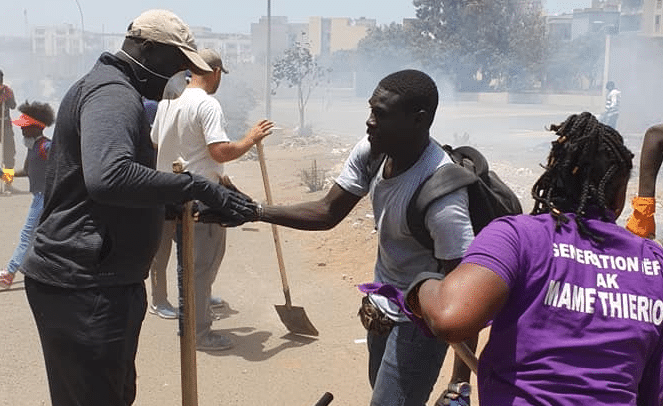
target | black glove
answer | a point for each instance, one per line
(230, 207)
(202, 213)
(173, 211)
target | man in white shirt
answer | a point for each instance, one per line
(191, 128)
(611, 113)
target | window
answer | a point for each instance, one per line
(40, 45)
(657, 23)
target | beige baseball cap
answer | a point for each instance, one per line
(165, 27)
(212, 58)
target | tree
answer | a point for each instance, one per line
(577, 64)
(384, 50)
(297, 68)
(498, 42)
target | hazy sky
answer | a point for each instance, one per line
(220, 15)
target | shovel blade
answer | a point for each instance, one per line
(295, 320)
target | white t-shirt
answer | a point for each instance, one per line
(612, 102)
(184, 127)
(400, 256)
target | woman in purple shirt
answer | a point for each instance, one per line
(576, 302)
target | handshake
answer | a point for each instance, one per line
(221, 203)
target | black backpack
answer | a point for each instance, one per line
(489, 197)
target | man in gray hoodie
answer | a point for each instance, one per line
(103, 213)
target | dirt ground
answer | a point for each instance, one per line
(267, 365)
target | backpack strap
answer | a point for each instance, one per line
(470, 158)
(446, 179)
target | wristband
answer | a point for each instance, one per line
(260, 212)
(412, 300)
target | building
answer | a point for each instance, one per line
(652, 13)
(328, 35)
(234, 49)
(591, 20)
(607, 17)
(57, 40)
(559, 27)
(322, 35)
(284, 35)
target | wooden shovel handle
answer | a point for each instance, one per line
(2, 143)
(275, 232)
(467, 355)
(187, 316)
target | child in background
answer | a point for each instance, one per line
(34, 118)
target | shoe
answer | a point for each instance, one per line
(457, 394)
(213, 341)
(216, 303)
(6, 279)
(165, 311)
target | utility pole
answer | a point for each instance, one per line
(80, 11)
(268, 64)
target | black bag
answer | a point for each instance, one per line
(489, 197)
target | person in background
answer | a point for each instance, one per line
(191, 128)
(34, 118)
(104, 206)
(612, 100)
(576, 301)
(8, 145)
(159, 283)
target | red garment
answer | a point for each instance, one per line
(6, 93)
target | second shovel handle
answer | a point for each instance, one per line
(275, 231)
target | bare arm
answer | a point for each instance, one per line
(321, 214)
(651, 157)
(457, 307)
(229, 151)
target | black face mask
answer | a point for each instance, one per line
(151, 83)
(152, 87)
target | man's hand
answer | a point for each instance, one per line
(202, 213)
(260, 131)
(224, 205)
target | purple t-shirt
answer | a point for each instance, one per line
(582, 324)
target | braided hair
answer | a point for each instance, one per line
(586, 167)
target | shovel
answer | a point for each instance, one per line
(293, 317)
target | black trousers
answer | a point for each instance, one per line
(89, 338)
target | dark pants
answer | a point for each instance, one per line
(89, 338)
